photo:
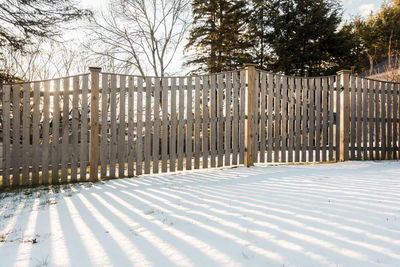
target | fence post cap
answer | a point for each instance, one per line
(95, 69)
(344, 72)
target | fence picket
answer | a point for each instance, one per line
(181, 123)
(304, 123)
(172, 151)
(55, 143)
(165, 122)
(26, 120)
(395, 122)
(36, 133)
(383, 121)
(284, 118)
(331, 114)
(353, 123)
(139, 127)
(205, 121)
(157, 125)
(220, 123)
(318, 121)
(189, 125)
(263, 116)
(6, 135)
(16, 150)
(270, 117)
(74, 133)
(324, 118)
(131, 128)
(277, 120)
(228, 119)
(291, 110)
(242, 117)
(122, 127)
(104, 140)
(298, 119)
(213, 119)
(365, 119)
(45, 133)
(311, 144)
(197, 117)
(148, 128)
(113, 126)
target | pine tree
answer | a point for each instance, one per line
(218, 36)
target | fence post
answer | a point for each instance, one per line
(250, 108)
(94, 124)
(344, 114)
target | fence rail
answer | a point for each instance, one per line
(105, 125)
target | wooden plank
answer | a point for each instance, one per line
(304, 123)
(353, 116)
(298, 120)
(131, 128)
(157, 125)
(165, 123)
(104, 143)
(284, 118)
(113, 130)
(263, 116)
(26, 120)
(205, 121)
(197, 117)
(148, 127)
(270, 98)
(365, 119)
(16, 146)
(359, 117)
(55, 143)
(220, 123)
(46, 134)
(6, 135)
(324, 118)
(277, 120)
(318, 120)
(235, 122)
(389, 120)
(36, 133)
(228, 125)
(94, 124)
(291, 110)
(377, 94)
(338, 110)
(250, 110)
(213, 119)
(74, 133)
(395, 123)
(181, 123)
(331, 117)
(383, 121)
(139, 127)
(370, 119)
(311, 144)
(172, 150)
(242, 116)
(189, 125)
(256, 108)
(122, 127)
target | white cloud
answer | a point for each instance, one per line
(366, 9)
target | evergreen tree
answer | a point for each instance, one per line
(304, 37)
(218, 36)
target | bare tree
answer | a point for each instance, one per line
(141, 35)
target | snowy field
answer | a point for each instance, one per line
(344, 214)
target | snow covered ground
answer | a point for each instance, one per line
(344, 214)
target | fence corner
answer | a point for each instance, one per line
(250, 109)
(344, 114)
(94, 124)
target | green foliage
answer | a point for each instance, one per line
(218, 35)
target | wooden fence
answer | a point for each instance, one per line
(104, 125)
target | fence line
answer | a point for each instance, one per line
(133, 125)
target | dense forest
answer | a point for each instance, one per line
(294, 37)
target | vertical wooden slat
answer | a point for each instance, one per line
(284, 118)
(94, 124)
(298, 120)
(383, 120)
(324, 118)
(250, 110)
(370, 119)
(389, 120)
(235, 126)
(291, 110)
(36, 133)
(189, 126)
(26, 120)
(270, 98)
(45, 132)
(263, 118)
(165, 122)
(181, 123)
(331, 114)
(304, 123)
(365, 119)
(139, 127)
(131, 128)
(377, 94)
(122, 127)
(197, 118)
(228, 119)
(16, 146)
(353, 116)
(395, 118)
(172, 148)
(157, 125)
(242, 116)
(277, 120)
(213, 119)
(256, 119)
(311, 120)
(338, 109)
(65, 132)
(318, 120)
(220, 123)
(6, 134)
(205, 121)
(359, 117)
(74, 133)
(113, 121)
(104, 140)
(344, 116)
(55, 144)
(148, 124)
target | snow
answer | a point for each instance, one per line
(342, 214)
